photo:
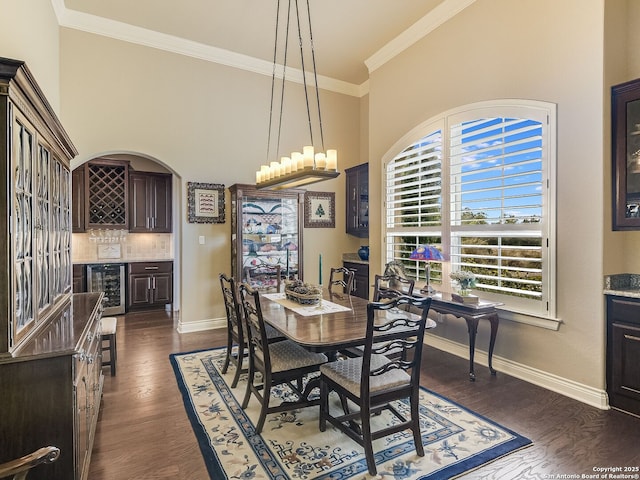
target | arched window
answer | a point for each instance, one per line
(477, 184)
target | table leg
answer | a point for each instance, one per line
(472, 325)
(495, 321)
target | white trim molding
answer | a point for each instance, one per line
(583, 393)
(141, 36)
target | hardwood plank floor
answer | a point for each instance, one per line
(143, 431)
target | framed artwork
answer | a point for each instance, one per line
(205, 202)
(319, 210)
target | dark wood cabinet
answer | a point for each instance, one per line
(50, 376)
(625, 136)
(78, 200)
(150, 285)
(623, 353)
(79, 278)
(360, 279)
(149, 202)
(106, 194)
(357, 218)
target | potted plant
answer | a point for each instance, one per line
(465, 280)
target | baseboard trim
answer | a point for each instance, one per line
(200, 325)
(583, 393)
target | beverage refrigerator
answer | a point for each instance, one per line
(110, 279)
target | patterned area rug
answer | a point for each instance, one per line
(455, 439)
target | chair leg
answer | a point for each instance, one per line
(228, 357)
(266, 395)
(247, 392)
(239, 363)
(324, 406)
(113, 354)
(415, 425)
(365, 415)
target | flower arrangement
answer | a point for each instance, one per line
(464, 279)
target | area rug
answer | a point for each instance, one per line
(455, 439)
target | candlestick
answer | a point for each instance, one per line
(287, 263)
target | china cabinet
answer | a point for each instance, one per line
(149, 202)
(625, 123)
(50, 375)
(266, 232)
(357, 217)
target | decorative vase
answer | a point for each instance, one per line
(363, 252)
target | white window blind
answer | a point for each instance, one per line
(478, 189)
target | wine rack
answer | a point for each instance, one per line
(107, 194)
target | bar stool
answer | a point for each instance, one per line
(108, 328)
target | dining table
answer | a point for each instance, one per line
(337, 323)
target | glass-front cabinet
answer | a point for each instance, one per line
(37, 204)
(625, 122)
(266, 236)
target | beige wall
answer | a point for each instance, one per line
(623, 64)
(530, 49)
(206, 123)
(29, 32)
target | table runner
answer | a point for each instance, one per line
(306, 310)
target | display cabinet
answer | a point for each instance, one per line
(266, 232)
(357, 215)
(625, 136)
(50, 377)
(35, 220)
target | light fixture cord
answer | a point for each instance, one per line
(304, 75)
(273, 78)
(315, 76)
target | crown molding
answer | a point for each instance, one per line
(169, 43)
(427, 24)
(149, 38)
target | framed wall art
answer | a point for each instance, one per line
(319, 210)
(205, 202)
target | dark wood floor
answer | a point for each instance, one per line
(143, 431)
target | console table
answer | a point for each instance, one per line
(472, 313)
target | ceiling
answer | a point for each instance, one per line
(346, 33)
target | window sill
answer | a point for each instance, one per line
(528, 319)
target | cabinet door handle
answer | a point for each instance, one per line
(151, 268)
(149, 283)
(154, 283)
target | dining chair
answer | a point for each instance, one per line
(391, 286)
(341, 277)
(374, 380)
(266, 278)
(277, 362)
(235, 328)
(19, 468)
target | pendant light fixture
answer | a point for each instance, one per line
(311, 164)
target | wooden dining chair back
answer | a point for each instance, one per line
(235, 329)
(19, 469)
(277, 362)
(391, 286)
(341, 278)
(374, 380)
(265, 278)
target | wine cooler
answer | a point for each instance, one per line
(110, 279)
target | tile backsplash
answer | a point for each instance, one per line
(132, 247)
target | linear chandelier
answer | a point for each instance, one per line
(308, 166)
